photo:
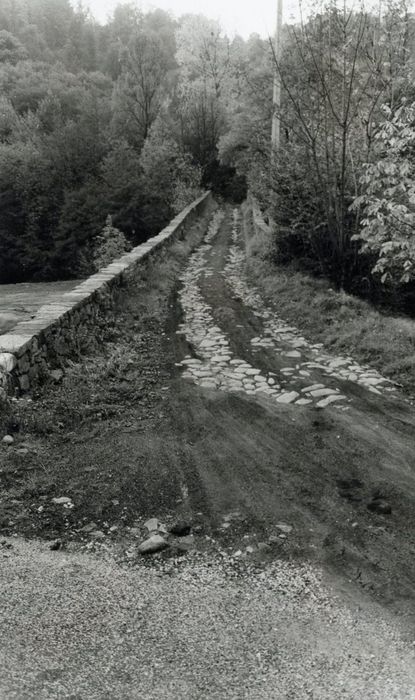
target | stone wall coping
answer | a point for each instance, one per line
(15, 344)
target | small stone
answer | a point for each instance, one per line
(319, 393)
(372, 381)
(330, 399)
(313, 387)
(8, 440)
(284, 527)
(89, 527)
(62, 500)
(264, 547)
(56, 375)
(181, 528)
(249, 549)
(98, 535)
(155, 543)
(287, 397)
(151, 524)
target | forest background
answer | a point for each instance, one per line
(107, 131)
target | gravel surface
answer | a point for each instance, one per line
(80, 627)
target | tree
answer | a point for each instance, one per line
(171, 179)
(109, 245)
(387, 203)
(203, 57)
(140, 88)
(11, 50)
(333, 83)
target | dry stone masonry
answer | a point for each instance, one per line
(58, 330)
(215, 367)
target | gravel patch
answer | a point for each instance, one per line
(74, 626)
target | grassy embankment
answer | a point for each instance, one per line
(345, 324)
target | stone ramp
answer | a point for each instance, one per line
(19, 302)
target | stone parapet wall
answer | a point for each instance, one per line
(257, 218)
(59, 329)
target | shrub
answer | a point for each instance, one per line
(109, 245)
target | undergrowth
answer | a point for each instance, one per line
(345, 324)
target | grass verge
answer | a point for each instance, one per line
(345, 324)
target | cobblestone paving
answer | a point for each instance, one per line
(214, 366)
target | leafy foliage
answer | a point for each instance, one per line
(387, 204)
(77, 109)
(109, 245)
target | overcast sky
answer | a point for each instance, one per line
(236, 16)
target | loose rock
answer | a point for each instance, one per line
(62, 500)
(151, 524)
(155, 543)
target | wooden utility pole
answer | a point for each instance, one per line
(276, 100)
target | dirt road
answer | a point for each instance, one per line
(296, 470)
(287, 432)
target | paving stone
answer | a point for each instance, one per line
(329, 399)
(287, 397)
(317, 393)
(312, 387)
(372, 381)
(219, 369)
